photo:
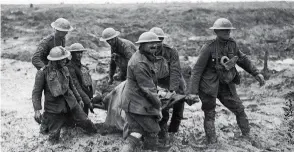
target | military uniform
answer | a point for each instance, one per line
(173, 81)
(140, 100)
(206, 82)
(60, 101)
(83, 85)
(121, 53)
(39, 58)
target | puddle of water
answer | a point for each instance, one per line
(286, 61)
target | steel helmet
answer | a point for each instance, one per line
(108, 34)
(148, 37)
(58, 53)
(222, 24)
(76, 47)
(62, 24)
(158, 31)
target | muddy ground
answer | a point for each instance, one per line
(264, 106)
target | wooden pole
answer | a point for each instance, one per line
(266, 72)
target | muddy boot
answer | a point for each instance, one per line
(132, 144)
(243, 124)
(44, 129)
(88, 126)
(151, 143)
(54, 137)
(163, 138)
(209, 127)
(171, 137)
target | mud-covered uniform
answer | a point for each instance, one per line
(140, 100)
(206, 82)
(61, 98)
(82, 81)
(121, 53)
(173, 81)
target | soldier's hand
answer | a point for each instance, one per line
(38, 116)
(191, 99)
(110, 80)
(169, 94)
(81, 103)
(159, 117)
(91, 107)
(113, 56)
(260, 79)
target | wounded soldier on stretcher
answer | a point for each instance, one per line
(116, 118)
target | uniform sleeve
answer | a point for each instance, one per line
(39, 54)
(175, 71)
(112, 68)
(245, 63)
(198, 69)
(76, 83)
(145, 82)
(128, 52)
(38, 89)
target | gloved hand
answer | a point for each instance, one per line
(91, 107)
(170, 94)
(114, 56)
(38, 116)
(159, 117)
(100, 105)
(81, 103)
(191, 99)
(110, 80)
(161, 93)
(260, 79)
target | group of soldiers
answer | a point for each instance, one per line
(68, 90)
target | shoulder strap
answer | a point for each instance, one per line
(216, 53)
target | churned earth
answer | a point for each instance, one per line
(264, 106)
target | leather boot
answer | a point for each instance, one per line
(163, 134)
(131, 145)
(172, 137)
(88, 126)
(243, 123)
(54, 137)
(209, 127)
(151, 143)
(164, 138)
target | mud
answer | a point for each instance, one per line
(264, 107)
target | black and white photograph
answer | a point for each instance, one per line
(147, 76)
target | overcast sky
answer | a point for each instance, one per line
(110, 1)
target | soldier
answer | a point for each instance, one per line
(140, 100)
(80, 75)
(214, 76)
(61, 27)
(121, 52)
(61, 97)
(169, 78)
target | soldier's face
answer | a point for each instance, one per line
(223, 34)
(61, 63)
(77, 55)
(159, 44)
(111, 42)
(60, 34)
(150, 47)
